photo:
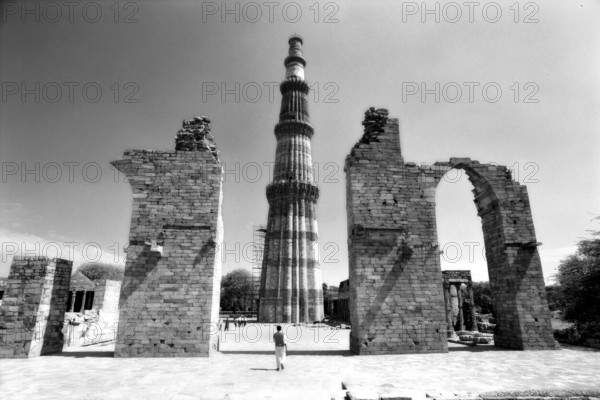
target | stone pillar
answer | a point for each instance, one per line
(460, 292)
(448, 305)
(83, 299)
(72, 307)
(460, 317)
(33, 308)
(169, 303)
(454, 307)
(473, 311)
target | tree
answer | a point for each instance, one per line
(482, 295)
(579, 280)
(555, 297)
(99, 271)
(237, 290)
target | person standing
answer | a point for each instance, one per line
(227, 324)
(280, 348)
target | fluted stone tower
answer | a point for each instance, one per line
(291, 288)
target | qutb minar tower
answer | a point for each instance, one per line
(291, 288)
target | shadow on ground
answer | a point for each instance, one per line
(476, 349)
(263, 369)
(344, 353)
(84, 354)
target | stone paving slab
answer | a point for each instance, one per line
(478, 369)
(243, 373)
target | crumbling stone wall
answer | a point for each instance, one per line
(33, 308)
(396, 300)
(106, 297)
(395, 276)
(106, 301)
(2, 288)
(170, 295)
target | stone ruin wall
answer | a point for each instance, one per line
(395, 276)
(396, 300)
(33, 308)
(170, 302)
(106, 296)
(100, 323)
(106, 301)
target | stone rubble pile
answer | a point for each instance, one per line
(374, 122)
(475, 337)
(195, 135)
(486, 326)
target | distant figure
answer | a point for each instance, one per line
(227, 324)
(280, 348)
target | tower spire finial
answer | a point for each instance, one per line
(294, 62)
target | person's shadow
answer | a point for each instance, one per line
(263, 369)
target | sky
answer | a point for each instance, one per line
(511, 83)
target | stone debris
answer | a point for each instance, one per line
(446, 395)
(195, 135)
(374, 122)
(486, 326)
(466, 337)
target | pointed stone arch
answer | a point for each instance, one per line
(514, 266)
(396, 289)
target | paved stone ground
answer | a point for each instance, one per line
(314, 371)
